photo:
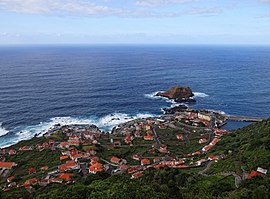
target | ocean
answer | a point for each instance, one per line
(106, 85)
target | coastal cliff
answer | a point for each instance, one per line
(178, 94)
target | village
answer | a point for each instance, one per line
(64, 154)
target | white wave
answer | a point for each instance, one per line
(105, 123)
(198, 94)
(153, 95)
(109, 121)
(178, 104)
(217, 111)
(3, 131)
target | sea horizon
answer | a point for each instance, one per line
(45, 85)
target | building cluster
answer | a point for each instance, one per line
(79, 154)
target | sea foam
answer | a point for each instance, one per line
(105, 123)
(3, 131)
(199, 94)
(153, 96)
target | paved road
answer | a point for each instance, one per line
(206, 168)
(156, 136)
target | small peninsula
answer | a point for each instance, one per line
(178, 94)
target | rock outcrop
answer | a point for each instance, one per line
(178, 94)
(173, 110)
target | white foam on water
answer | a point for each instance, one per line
(153, 95)
(217, 111)
(199, 94)
(3, 131)
(109, 121)
(105, 123)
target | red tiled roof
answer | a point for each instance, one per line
(44, 168)
(137, 174)
(7, 164)
(63, 157)
(97, 167)
(31, 170)
(145, 161)
(253, 174)
(66, 176)
(10, 178)
(115, 159)
(148, 137)
(64, 144)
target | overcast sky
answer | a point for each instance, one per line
(134, 22)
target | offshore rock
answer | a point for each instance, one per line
(178, 94)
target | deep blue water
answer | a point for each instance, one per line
(44, 85)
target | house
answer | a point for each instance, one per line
(202, 140)
(156, 160)
(74, 142)
(163, 150)
(254, 173)
(66, 176)
(7, 165)
(94, 159)
(88, 135)
(204, 116)
(137, 175)
(69, 165)
(133, 169)
(123, 167)
(11, 152)
(9, 179)
(214, 141)
(136, 157)
(64, 145)
(128, 139)
(65, 152)
(32, 170)
(145, 162)
(137, 134)
(25, 148)
(207, 147)
(212, 157)
(76, 156)
(261, 170)
(196, 153)
(117, 144)
(44, 168)
(51, 141)
(63, 157)
(97, 167)
(147, 127)
(148, 137)
(30, 182)
(73, 138)
(115, 160)
(152, 150)
(180, 136)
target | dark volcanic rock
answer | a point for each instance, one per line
(175, 109)
(178, 94)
